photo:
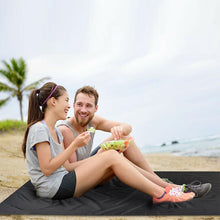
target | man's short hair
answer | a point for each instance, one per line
(88, 90)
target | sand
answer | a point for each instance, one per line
(13, 174)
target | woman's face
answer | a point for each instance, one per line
(62, 106)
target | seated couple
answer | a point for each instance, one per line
(58, 151)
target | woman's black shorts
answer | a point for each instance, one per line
(67, 186)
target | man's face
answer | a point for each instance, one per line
(84, 109)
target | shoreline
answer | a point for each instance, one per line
(171, 162)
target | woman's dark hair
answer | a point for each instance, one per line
(38, 104)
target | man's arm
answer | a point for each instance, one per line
(117, 129)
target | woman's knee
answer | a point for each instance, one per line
(111, 155)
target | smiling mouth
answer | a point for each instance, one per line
(83, 116)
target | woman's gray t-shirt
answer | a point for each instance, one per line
(45, 186)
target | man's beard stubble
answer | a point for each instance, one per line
(83, 123)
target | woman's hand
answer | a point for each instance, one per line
(82, 139)
(123, 150)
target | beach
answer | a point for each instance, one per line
(13, 174)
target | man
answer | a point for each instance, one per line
(85, 106)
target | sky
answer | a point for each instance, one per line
(155, 64)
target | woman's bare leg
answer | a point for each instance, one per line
(101, 166)
(133, 154)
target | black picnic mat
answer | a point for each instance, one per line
(116, 199)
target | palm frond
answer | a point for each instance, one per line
(16, 72)
(35, 84)
(8, 72)
(7, 66)
(14, 64)
(3, 101)
(5, 87)
(18, 79)
(4, 73)
(22, 67)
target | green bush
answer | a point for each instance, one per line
(12, 125)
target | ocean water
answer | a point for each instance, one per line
(208, 146)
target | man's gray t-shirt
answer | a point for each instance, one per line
(82, 152)
(45, 186)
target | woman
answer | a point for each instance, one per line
(50, 171)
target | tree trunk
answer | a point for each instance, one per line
(21, 113)
(19, 97)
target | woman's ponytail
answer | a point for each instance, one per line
(35, 114)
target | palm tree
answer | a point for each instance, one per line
(16, 73)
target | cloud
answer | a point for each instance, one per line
(110, 25)
(155, 63)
